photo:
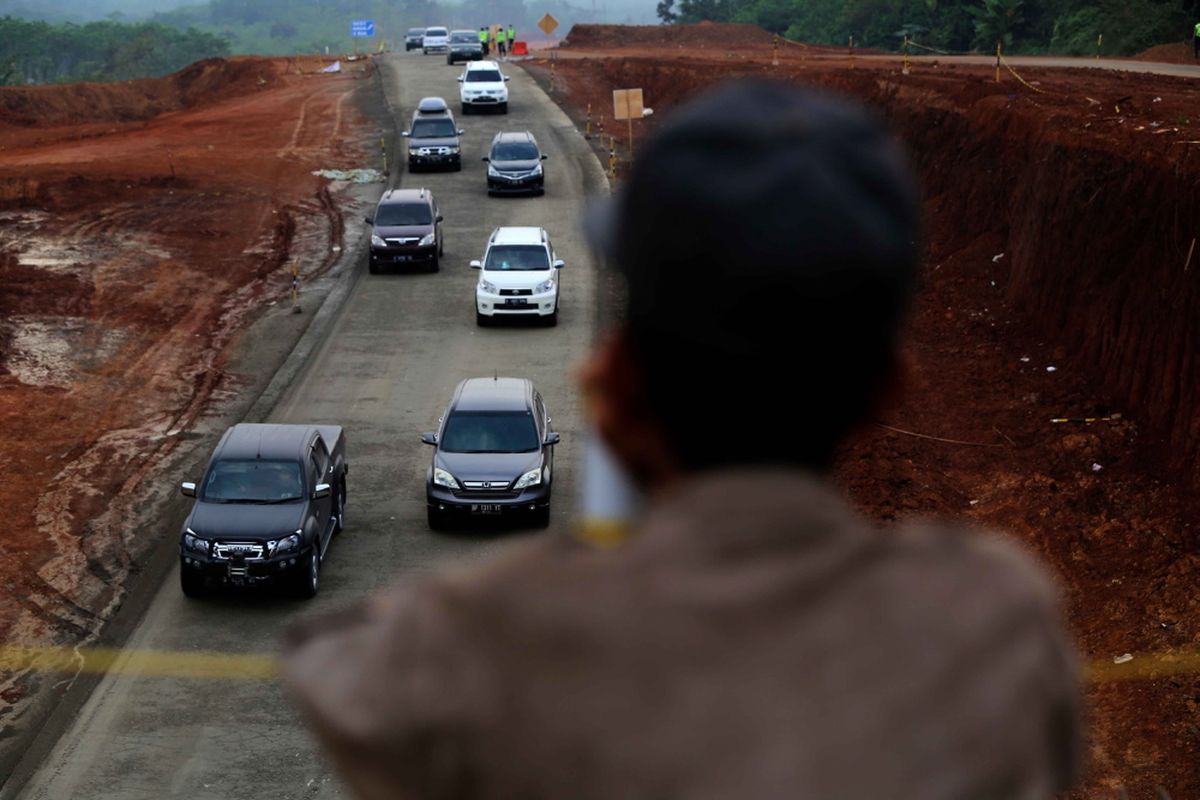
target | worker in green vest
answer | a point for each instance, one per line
(512, 37)
(1196, 42)
(483, 40)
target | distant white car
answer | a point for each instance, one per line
(483, 86)
(435, 40)
(519, 276)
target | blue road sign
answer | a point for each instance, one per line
(362, 27)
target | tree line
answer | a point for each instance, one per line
(1067, 27)
(33, 51)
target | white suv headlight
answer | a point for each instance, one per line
(544, 286)
(531, 478)
(377, 241)
(443, 478)
(427, 240)
(487, 286)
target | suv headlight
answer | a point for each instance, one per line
(377, 241)
(537, 170)
(452, 148)
(487, 286)
(544, 286)
(531, 478)
(194, 543)
(493, 172)
(427, 239)
(443, 478)
(287, 544)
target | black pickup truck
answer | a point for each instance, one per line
(270, 501)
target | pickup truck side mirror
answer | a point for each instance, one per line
(559, 263)
(429, 438)
(187, 489)
(552, 438)
(476, 265)
(321, 490)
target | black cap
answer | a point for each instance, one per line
(766, 230)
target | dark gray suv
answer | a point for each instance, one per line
(515, 165)
(493, 454)
(406, 230)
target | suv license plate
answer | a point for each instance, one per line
(485, 508)
(515, 302)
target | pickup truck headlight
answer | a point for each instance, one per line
(427, 240)
(531, 478)
(487, 286)
(377, 241)
(194, 543)
(443, 478)
(544, 286)
(287, 544)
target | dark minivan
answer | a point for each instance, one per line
(515, 165)
(493, 454)
(464, 46)
(406, 230)
(433, 142)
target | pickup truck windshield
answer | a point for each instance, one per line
(490, 432)
(484, 76)
(256, 481)
(518, 257)
(433, 129)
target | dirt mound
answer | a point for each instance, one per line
(703, 35)
(1173, 53)
(204, 82)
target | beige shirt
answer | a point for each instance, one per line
(756, 639)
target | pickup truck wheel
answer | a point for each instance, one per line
(192, 584)
(308, 580)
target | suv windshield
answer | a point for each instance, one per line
(463, 37)
(435, 31)
(433, 129)
(416, 31)
(404, 214)
(254, 482)
(484, 76)
(518, 257)
(490, 432)
(515, 151)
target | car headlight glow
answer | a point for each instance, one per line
(194, 543)
(531, 478)
(287, 544)
(377, 241)
(443, 478)
(427, 240)
(544, 286)
(487, 286)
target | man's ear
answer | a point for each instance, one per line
(618, 407)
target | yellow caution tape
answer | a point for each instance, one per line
(1023, 82)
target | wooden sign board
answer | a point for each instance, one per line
(548, 24)
(627, 104)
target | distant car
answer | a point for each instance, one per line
(518, 277)
(515, 165)
(414, 39)
(270, 501)
(435, 40)
(464, 46)
(406, 229)
(483, 86)
(493, 454)
(431, 106)
(433, 142)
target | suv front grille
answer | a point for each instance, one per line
(516, 292)
(238, 551)
(486, 486)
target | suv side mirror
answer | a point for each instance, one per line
(429, 438)
(544, 156)
(369, 220)
(507, 78)
(460, 78)
(187, 489)
(559, 263)
(461, 131)
(485, 158)
(440, 218)
(476, 265)
(321, 490)
(552, 438)
(404, 134)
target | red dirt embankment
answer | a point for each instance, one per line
(1173, 53)
(1057, 284)
(701, 36)
(134, 246)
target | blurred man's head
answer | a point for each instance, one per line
(768, 237)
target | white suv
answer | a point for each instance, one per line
(519, 276)
(483, 87)
(435, 40)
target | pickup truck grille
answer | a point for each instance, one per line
(239, 551)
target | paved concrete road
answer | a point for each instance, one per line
(397, 350)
